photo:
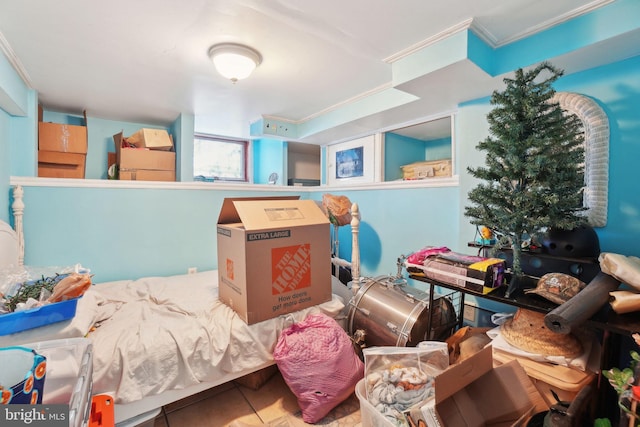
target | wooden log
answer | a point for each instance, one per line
(573, 313)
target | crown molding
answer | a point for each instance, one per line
(464, 25)
(14, 61)
(553, 22)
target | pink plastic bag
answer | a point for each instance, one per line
(319, 364)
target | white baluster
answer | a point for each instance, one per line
(355, 249)
(18, 210)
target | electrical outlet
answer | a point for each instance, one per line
(192, 270)
(469, 313)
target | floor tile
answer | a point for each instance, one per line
(346, 414)
(216, 411)
(273, 400)
(276, 405)
(179, 404)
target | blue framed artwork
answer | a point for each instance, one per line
(350, 163)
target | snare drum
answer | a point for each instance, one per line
(395, 314)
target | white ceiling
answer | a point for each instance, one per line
(146, 60)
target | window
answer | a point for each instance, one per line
(219, 159)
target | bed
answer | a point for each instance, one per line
(154, 343)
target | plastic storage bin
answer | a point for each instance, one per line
(11, 323)
(370, 416)
(69, 376)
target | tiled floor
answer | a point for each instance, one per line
(235, 405)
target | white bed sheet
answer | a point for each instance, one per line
(167, 333)
(173, 332)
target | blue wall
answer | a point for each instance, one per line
(616, 88)
(5, 165)
(269, 155)
(438, 149)
(120, 233)
(400, 150)
(18, 114)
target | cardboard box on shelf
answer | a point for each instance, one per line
(274, 256)
(147, 175)
(143, 164)
(460, 389)
(56, 164)
(64, 138)
(153, 139)
(427, 169)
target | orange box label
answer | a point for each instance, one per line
(290, 268)
(230, 269)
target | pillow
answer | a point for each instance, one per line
(318, 362)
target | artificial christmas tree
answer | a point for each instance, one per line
(534, 166)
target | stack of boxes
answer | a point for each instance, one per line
(62, 150)
(147, 155)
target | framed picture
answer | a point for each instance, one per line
(354, 162)
(350, 163)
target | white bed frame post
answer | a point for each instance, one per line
(17, 208)
(355, 248)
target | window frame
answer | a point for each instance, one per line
(246, 145)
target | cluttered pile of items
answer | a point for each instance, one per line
(551, 356)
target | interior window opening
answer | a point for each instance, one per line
(219, 159)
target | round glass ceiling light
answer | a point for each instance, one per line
(234, 61)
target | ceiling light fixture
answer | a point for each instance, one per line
(234, 61)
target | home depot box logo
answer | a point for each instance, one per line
(230, 273)
(291, 268)
(274, 256)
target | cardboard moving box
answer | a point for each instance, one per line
(147, 175)
(55, 164)
(153, 139)
(274, 256)
(143, 164)
(62, 137)
(564, 381)
(473, 393)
